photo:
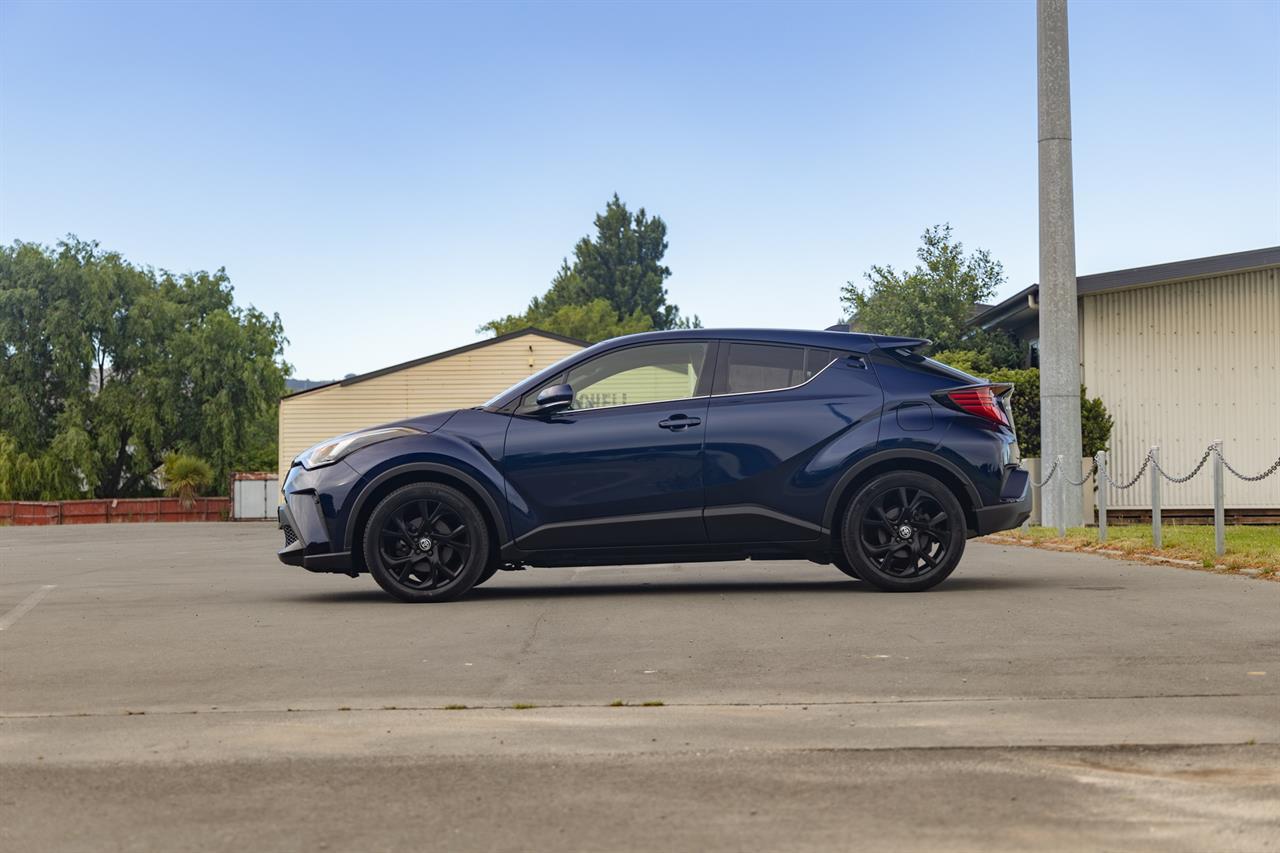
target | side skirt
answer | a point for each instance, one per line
(816, 551)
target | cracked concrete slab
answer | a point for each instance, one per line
(188, 692)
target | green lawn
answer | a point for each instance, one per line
(1247, 546)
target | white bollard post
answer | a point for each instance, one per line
(1156, 538)
(1219, 501)
(1100, 458)
(1063, 495)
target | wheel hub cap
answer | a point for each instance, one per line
(424, 544)
(904, 532)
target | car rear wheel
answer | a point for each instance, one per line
(904, 532)
(426, 542)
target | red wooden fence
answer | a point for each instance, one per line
(111, 510)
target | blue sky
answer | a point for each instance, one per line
(388, 177)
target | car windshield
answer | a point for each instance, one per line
(541, 375)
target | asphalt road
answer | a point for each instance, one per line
(172, 687)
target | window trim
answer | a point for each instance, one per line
(801, 347)
(712, 358)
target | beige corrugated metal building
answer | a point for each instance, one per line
(1181, 354)
(466, 376)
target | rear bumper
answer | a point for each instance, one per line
(297, 552)
(1013, 509)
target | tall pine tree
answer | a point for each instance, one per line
(614, 286)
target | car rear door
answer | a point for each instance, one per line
(622, 467)
(782, 425)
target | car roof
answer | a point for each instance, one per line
(856, 341)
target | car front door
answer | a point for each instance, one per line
(622, 466)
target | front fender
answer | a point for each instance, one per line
(440, 453)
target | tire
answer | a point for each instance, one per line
(439, 566)
(486, 574)
(904, 532)
(841, 562)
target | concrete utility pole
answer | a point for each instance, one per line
(1059, 325)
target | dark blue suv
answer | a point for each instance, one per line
(835, 447)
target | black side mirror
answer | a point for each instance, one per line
(553, 398)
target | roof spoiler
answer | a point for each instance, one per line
(911, 345)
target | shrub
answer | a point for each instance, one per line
(186, 476)
(969, 361)
(1095, 423)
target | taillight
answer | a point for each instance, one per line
(980, 400)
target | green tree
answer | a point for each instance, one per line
(593, 321)
(935, 300)
(118, 366)
(614, 286)
(51, 475)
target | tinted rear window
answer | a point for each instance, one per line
(746, 368)
(815, 360)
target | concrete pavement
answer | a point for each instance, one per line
(190, 692)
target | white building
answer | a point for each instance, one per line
(1182, 354)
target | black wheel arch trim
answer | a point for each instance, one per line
(494, 511)
(859, 467)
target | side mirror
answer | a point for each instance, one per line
(553, 398)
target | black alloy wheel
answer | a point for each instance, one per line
(904, 532)
(426, 542)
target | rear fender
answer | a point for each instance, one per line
(860, 467)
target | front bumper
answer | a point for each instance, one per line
(1013, 509)
(304, 546)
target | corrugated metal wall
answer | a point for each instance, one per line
(458, 381)
(1179, 365)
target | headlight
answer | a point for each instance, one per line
(329, 452)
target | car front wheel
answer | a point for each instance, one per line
(904, 532)
(426, 542)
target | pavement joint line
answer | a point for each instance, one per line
(24, 606)
(343, 709)
(1111, 747)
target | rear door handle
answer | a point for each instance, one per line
(678, 422)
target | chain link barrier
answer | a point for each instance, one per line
(1093, 469)
(1149, 460)
(1106, 475)
(1264, 475)
(1172, 479)
(1152, 460)
(1052, 470)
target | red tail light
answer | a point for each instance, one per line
(981, 401)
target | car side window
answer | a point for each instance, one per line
(646, 373)
(815, 360)
(748, 368)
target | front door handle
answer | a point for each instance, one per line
(679, 422)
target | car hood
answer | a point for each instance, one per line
(426, 423)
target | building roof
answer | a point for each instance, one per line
(352, 380)
(1022, 304)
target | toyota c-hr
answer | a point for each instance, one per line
(834, 447)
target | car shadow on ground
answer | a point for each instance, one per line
(525, 589)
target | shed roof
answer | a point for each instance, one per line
(1022, 302)
(352, 380)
